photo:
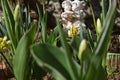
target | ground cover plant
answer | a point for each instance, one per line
(77, 57)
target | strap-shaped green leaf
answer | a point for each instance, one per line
(96, 70)
(9, 21)
(51, 57)
(74, 72)
(21, 59)
(104, 39)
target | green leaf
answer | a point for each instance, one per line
(104, 9)
(21, 59)
(104, 39)
(51, 57)
(91, 38)
(9, 21)
(96, 70)
(73, 70)
(51, 39)
(75, 42)
(3, 29)
(38, 72)
(44, 27)
(27, 18)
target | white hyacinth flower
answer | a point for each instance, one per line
(73, 16)
(78, 5)
(67, 5)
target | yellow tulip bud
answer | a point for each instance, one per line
(99, 27)
(16, 13)
(82, 49)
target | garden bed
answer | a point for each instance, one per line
(59, 47)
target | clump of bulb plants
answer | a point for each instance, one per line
(75, 56)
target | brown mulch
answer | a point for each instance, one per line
(48, 77)
(5, 72)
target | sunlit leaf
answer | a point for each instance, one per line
(21, 60)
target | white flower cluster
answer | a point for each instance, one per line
(73, 16)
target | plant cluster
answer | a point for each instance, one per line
(80, 57)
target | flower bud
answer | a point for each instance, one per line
(99, 27)
(16, 13)
(4, 38)
(82, 49)
(8, 42)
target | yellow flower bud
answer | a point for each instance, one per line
(4, 44)
(8, 42)
(82, 49)
(5, 38)
(99, 27)
(16, 13)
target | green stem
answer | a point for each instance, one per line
(16, 32)
(103, 10)
(93, 16)
(43, 3)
